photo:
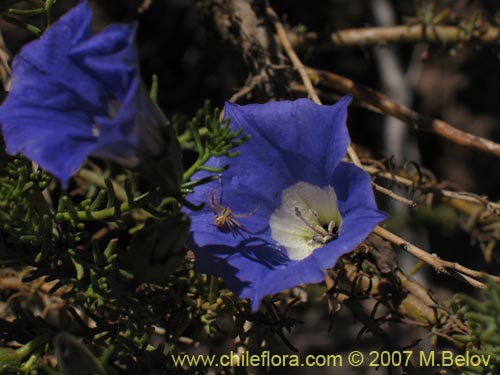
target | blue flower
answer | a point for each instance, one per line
(76, 93)
(288, 207)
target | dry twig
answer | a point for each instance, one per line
(5, 71)
(301, 69)
(463, 196)
(394, 196)
(401, 34)
(419, 121)
(439, 264)
(292, 55)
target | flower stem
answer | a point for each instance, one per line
(188, 136)
(196, 166)
(32, 345)
(48, 9)
(214, 289)
(104, 214)
(98, 180)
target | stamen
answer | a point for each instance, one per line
(322, 236)
(307, 219)
(314, 227)
(331, 226)
(96, 130)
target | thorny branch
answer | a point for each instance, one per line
(482, 215)
(440, 265)
(477, 201)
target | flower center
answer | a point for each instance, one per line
(307, 219)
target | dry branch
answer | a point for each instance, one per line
(419, 121)
(440, 265)
(402, 34)
(301, 69)
(5, 71)
(292, 55)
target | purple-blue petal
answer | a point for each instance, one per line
(299, 138)
(110, 57)
(77, 94)
(300, 141)
(291, 142)
(45, 122)
(353, 188)
(50, 54)
(133, 129)
(254, 267)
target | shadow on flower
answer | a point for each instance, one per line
(252, 250)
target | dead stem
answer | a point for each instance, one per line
(439, 264)
(285, 42)
(400, 34)
(394, 196)
(417, 120)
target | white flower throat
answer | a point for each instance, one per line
(307, 219)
